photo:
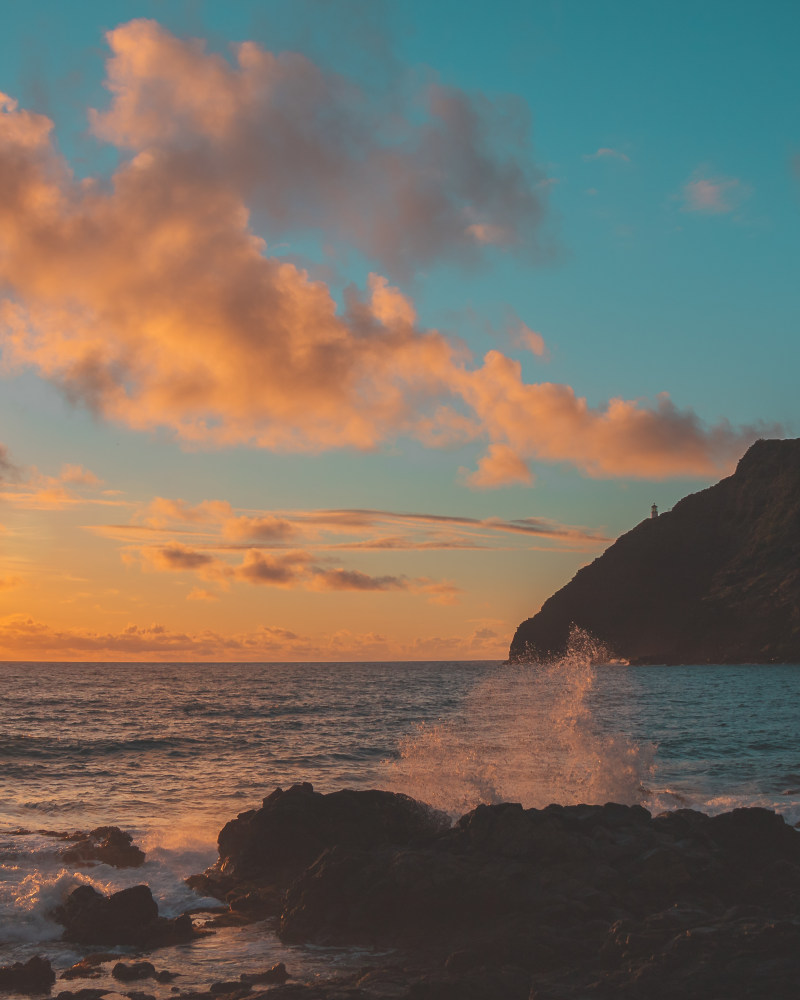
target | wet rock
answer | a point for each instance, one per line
(277, 974)
(107, 845)
(84, 994)
(129, 916)
(272, 845)
(507, 983)
(257, 902)
(82, 970)
(231, 989)
(755, 834)
(136, 970)
(33, 976)
(564, 902)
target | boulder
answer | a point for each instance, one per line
(134, 971)
(129, 916)
(33, 976)
(106, 845)
(263, 850)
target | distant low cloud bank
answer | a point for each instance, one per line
(151, 299)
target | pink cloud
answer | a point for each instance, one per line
(713, 195)
(606, 153)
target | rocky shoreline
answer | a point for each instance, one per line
(560, 903)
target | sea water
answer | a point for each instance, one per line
(171, 751)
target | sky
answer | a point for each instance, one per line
(351, 331)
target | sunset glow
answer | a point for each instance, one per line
(343, 353)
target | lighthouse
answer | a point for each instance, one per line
(653, 511)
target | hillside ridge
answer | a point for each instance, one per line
(714, 580)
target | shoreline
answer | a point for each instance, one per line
(562, 902)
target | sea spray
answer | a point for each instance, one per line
(527, 733)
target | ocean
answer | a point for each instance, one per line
(171, 751)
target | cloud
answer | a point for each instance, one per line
(343, 579)
(8, 470)
(605, 153)
(523, 336)
(150, 298)
(179, 558)
(36, 491)
(162, 511)
(411, 529)
(292, 570)
(78, 476)
(500, 466)
(312, 149)
(262, 529)
(9, 582)
(277, 571)
(201, 594)
(23, 637)
(713, 195)
(549, 422)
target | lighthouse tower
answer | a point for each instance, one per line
(653, 511)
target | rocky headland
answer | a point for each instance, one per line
(714, 580)
(508, 903)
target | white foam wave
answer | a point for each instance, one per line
(526, 734)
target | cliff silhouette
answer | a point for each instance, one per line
(714, 580)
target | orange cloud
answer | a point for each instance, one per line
(153, 301)
(262, 529)
(201, 594)
(23, 637)
(549, 422)
(77, 475)
(294, 569)
(37, 491)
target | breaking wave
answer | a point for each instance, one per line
(529, 733)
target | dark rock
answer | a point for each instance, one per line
(292, 828)
(136, 970)
(277, 974)
(755, 834)
(568, 901)
(84, 994)
(106, 844)
(228, 989)
(257, 902)
(33, 976)
(507, 983)
(715, 580)
(129, 916)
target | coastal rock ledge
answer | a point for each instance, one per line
(715, 580)
(560, 903)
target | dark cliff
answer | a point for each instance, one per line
(715, 580)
